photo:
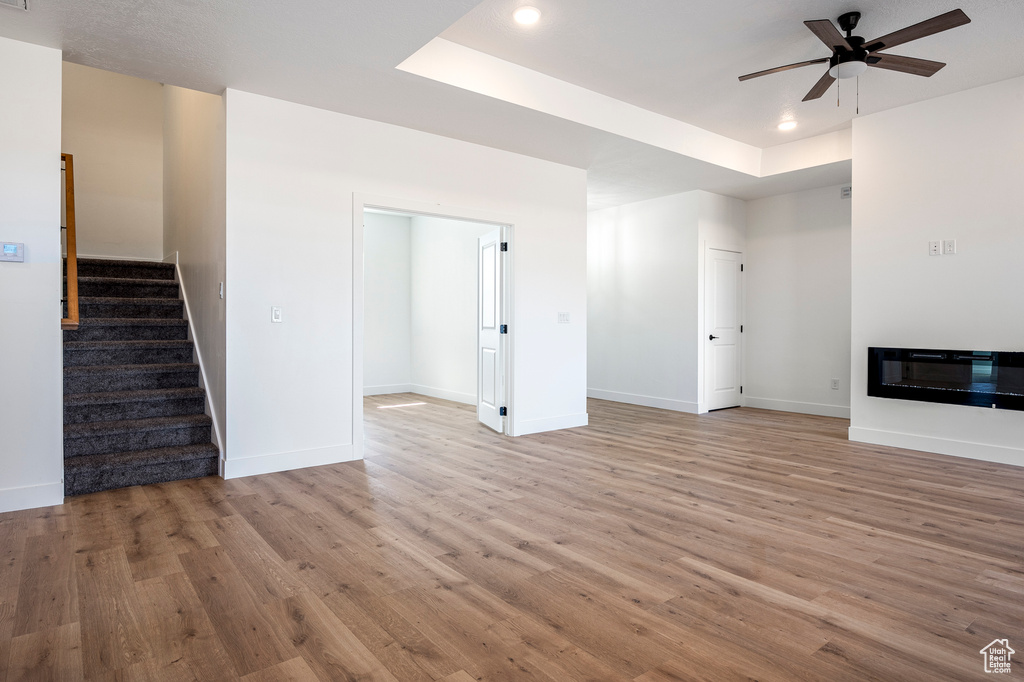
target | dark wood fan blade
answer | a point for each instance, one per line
(783, 68)
(943, 22)
(820, 87)
(828, 34)
(894, 62)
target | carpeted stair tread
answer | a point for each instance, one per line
(131, 322)
(108, 345)
(91, 287)
(153, 395)
(133, 404)
(100, 353)
(100, 267)
(128, 300)
(130, 307)
(94, 473)
(128, 328)
(131, 369)
(180, 453)
(136, 425)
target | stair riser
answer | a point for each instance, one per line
(130, 381)
(115, 269)
(172, 311)
(74, 357)
(127, 333)
(80, 414)
(138, 440)
(158, 289)
(84, 482)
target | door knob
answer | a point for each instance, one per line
(711, 337)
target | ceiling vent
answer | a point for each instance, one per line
(17, 4)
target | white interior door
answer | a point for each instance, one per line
(490, 361)
(722, 300)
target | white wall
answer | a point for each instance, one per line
(642, 298)
(646, 285)
(797, 319)
(444, 302)
(194, 216)
(292, 172)
(31, 404)
(387, 292)
(948, 168)
(113, 125)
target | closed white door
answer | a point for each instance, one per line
(722, 300)
(490, 361)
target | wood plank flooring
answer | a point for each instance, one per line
(650, 546)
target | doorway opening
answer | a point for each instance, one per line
(433, 309)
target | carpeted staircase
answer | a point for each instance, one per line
(133, 408)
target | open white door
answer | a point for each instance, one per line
(722, 327)
(490, 362)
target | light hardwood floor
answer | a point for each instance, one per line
(649, 546)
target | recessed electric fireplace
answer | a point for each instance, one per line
(992, 379)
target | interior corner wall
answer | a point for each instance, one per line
(642, 269)
(947, 168)
(31, 403)
(387, 301)
(444, 307)
(113, 125)
(195, 228)
(292, 172)
(797, 318)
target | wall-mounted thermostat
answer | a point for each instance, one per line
(12, 252)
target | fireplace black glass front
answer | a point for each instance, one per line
(960, 377)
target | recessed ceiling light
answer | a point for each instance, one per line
(526, 15)
(787, 125)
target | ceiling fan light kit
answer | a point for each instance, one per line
(852, 55)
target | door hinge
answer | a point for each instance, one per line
(503, 329)
(502, 411)
(741, 389)
(741, 267)
(741, 329)
(504, 246)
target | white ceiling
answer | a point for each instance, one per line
(683, 59)
(679, 59)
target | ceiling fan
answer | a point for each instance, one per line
(852, 55)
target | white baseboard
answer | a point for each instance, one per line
(31, 496)
(644, 400)
(820, 409)
(444, 394)
(173, 258)
(385, 390)
(569, 421)
(286, 461)
(943, 446)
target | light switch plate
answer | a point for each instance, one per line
(12, 252)
(563, 318)
(275, 314)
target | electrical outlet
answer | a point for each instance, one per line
(934, 248)
(949, 247)
(835, 384)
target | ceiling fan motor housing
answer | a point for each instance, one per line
(849, 63)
